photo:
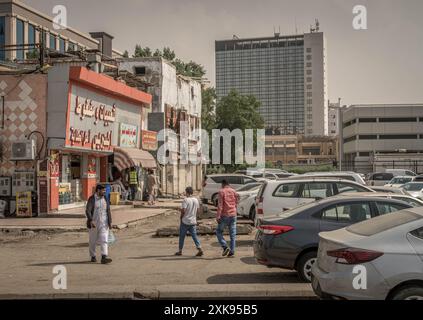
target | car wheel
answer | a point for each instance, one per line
(409, 293)
(304, 265)
(214, 200)
(252, 215)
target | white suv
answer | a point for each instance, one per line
(213, 184)
(275, 197)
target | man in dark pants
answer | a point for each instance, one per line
(133, 182)
(226, 217)
(99, 222)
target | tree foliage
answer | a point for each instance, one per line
(237, 111)
(208, 109)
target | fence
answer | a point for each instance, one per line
(381, 165)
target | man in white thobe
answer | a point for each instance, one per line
(99, 222)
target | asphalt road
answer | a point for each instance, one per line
(141, 262)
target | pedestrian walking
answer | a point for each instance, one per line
(133, 182)
(189, 209)
(99, 222)
(151, 187)
(228, 200)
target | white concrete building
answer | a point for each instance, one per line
(334, 110)
(380, 128)
(175, 99)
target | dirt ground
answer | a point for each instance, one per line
(139, 259)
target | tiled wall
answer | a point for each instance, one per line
(24, 112)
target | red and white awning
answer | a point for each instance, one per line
(131, 157)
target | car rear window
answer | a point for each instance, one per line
(383, 223)
(382, 177)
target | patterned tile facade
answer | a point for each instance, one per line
(25, 111)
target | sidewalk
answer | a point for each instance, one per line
(69, 220)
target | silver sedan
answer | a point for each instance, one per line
(377, 259)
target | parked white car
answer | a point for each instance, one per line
(390, 250)
(213, 184)
(414, 189)
(388, 189)
(346, 175)
(399, 181)
(275, 197)
(247, 207)
(379, 178)
(401, 172)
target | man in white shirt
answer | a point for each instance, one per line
(189, 209)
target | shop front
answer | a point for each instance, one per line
(103, 117)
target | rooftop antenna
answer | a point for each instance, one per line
(296, 28)
(234, 37)
(277, 34)
(317, 25)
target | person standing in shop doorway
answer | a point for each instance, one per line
(99, 222)
(189, 209)
(226, 217)
(151, 187)
(133, 182)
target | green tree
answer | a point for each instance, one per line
(141, 52)
(168, 54)
(236, 111)
(208, 109)
(126, 54)
(33, 54)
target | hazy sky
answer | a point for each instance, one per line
(383, 64)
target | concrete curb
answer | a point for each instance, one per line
(233, 291)
(71, 296)
(179, 292)
(64, 229)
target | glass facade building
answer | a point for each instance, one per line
(274, 70)
(20, 39)
(2, 38)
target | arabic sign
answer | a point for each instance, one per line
(92, 167)
(128, 135)
(88, 109)
(96, 118)
(149, 140)
(23, 204)
(91, 120)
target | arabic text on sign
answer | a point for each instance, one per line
(87, 109)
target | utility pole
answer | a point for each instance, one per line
(340, 134)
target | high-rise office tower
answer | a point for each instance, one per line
(285, 73)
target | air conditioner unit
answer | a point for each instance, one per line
(23, 150)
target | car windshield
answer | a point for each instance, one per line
(400, 180)
(383, 223)
(294, 211)
(413, 186)
(250, 187)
